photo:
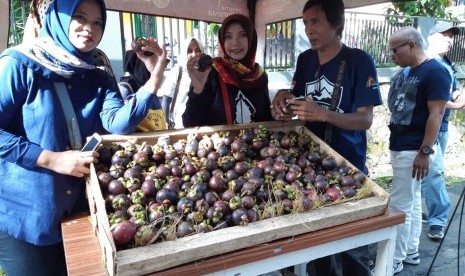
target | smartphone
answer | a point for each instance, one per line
(300, 98)
(92, 143)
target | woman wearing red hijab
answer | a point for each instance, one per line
(235, 89)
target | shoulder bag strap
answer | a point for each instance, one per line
(71, 121)
(226, 102)
(176, 90)
(336, 96)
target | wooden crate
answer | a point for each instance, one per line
(167, 254)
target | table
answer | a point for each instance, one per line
(83, 254)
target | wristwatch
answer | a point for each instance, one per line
(427, 150)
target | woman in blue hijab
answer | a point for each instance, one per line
(41, 168)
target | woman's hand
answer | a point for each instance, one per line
(279, 111)
(155, 63)
(72, 162)
(198, 78)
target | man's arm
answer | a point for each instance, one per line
(421, 162)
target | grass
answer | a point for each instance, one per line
(2, 273)
(385, 181)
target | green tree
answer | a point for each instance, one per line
(428, 8)
(20, 11)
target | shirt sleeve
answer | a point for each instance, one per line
(367, 91)
(14, 148)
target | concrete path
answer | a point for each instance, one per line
(445, 263)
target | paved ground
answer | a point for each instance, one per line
(446, 262)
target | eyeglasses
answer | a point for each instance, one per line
(394, 50)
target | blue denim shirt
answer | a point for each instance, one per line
(33, 200)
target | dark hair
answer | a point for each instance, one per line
(334, 11)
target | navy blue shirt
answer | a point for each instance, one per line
(359, 88)
(410, 91)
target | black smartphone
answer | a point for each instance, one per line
(300, 98)
(92, 143)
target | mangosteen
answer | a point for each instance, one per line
(348, 192)
(210, 197)
(346, 181)
(132, 184)
(203, 227)
(184, 228)
(239, 217)
(138, 197)
(191, 148)
(247, 135)
(185, 205)
(358, 176)
(224, 207)
(248, 188)
(190, 169)
(105, 155)
(217, 183)
(120, 201)
(321, 184)
(213, 155)
(104, 179)
(166, 197)
(333, 193)
(137, 44)
(227, 195)
(124, 232)
(314, 157)
(236, 185)
(223, 150)
(248, 201)
(146, 234)
(116, 187)
(204, 62)
(231, 175)
(176, 170)
(329, 163)
(254, 172)
(252, 215)
(120, 158)
(235, 202)
(287, 205)
(163, 171)
(226, 163)
(306, 203)
(206, 143)
(238, 145)
(148, 187)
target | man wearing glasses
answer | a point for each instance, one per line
(416, 100)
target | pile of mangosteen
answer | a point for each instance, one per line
(202, 183)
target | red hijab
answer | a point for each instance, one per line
(244, 73)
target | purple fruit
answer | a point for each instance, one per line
(124, 232)
(205, 62)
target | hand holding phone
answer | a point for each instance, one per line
(93, 143)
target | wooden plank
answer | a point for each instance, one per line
(283, 246)
(168, 254)
(93, 265)
(81, 247)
